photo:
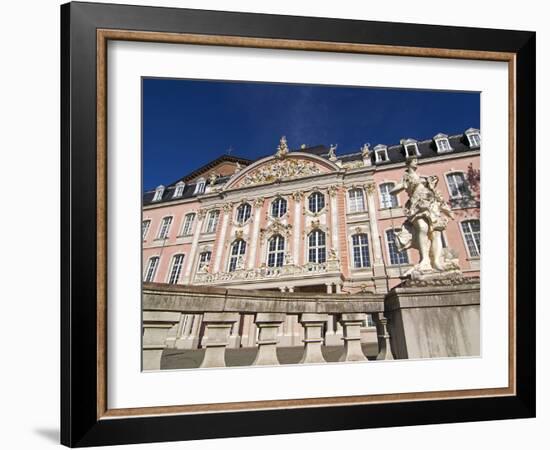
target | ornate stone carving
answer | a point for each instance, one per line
(259, 202)
(370, 187)
(427, 216)
(201, 213)
(227, 207)
(365, 151)
(238, 234)
(332, 190)
(212, 178)
(332, 152)
(280, 170)
(282, 149)
(297, 196)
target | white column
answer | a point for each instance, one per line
(227, 210)
(194, 244)
(297, 227)
(258, 203)
(333, 192)
(373, 222)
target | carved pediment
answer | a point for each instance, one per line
(280, 169)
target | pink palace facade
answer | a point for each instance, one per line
(309, 219)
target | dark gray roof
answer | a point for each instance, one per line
(396, 154)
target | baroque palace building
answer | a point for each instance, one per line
(305, 220)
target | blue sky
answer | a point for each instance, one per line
(187, 123)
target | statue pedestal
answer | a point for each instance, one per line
(434, 319)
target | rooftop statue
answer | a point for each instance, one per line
(427, 217)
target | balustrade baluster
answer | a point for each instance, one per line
(352, 337)
(268, 325)
(313, 327)
(217, 331)
(384, 343)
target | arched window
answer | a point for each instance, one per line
(278, 207)
(316, 202)
(204, 259)
(470, 229)
(396, 257)
(276, 251)
(165, 227)
(159, 191)
(361, 256)
(175, 271)
(317, 247)
(243, 213)
(236, 260)
(188, 224)
(356, 200)
(458, 187)
(212, 222)
(151, 270)
(387, 200)
(178, 192)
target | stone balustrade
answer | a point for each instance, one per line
(165, 308)
(267, 273)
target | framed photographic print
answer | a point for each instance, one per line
(277, 224)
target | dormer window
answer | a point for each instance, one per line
(381, 153)
(474, 137)
(159, 191)
(411, 148)
(178, 192)
(200, 186)
(442, 143)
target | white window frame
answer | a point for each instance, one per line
(280, 201)
(378, 150)
(357, 203)
(168, 220)
(203, 260)
(243, 207)
(318, 195)
(178, 191)
(443, 145)
(473, 135)
(361, 245)
(145, 227)
(477, 243)
(200, 187)
(151, 270)
(317, 248)
(388, 248)
(159, 192)
(188, 222)
(176, 267)
(212, 221)
(459, 195)
(391, 196)
(278, 253)
(407, 147)
(234, 257)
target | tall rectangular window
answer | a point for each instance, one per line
(175, 271)
(458, 187)
(236, 260)
(188, 224)
(151, 270)
(145, 228)
(165, 227)
(396, 257)
(471, 231)
(387, 200)
(317, 247)
(276, 251)
(212, 222)
(204, 260)
(356, 200)
(360, 250)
